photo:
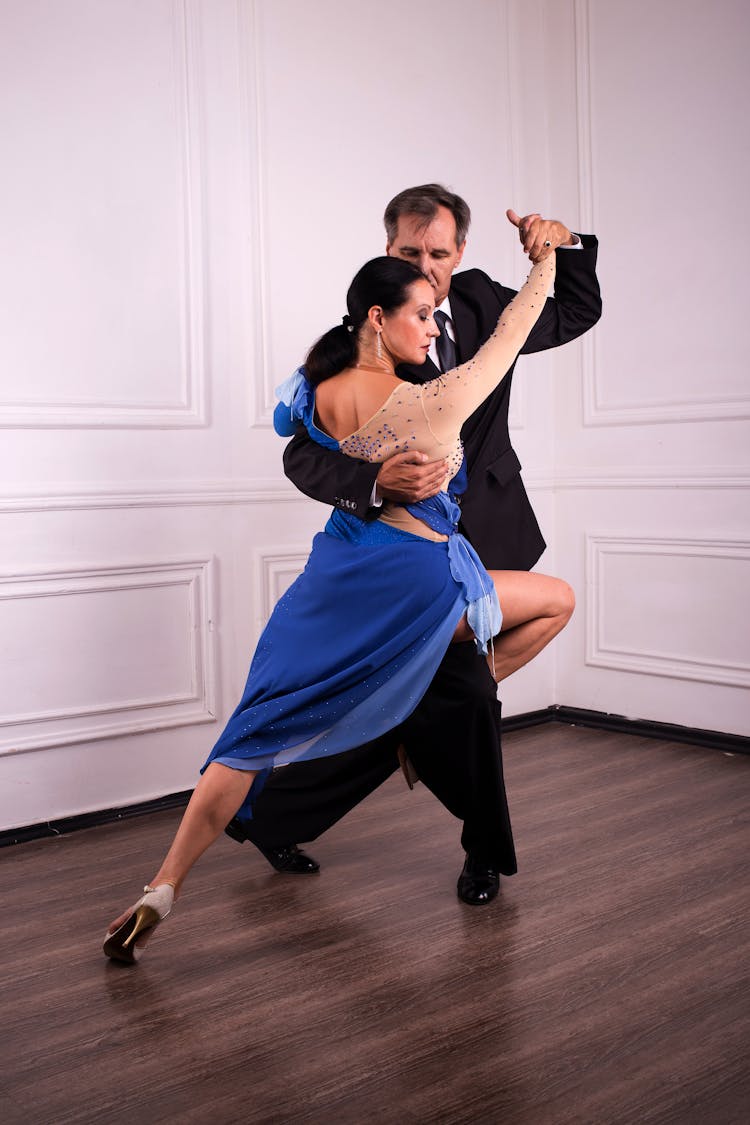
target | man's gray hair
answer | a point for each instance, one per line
(424, 201)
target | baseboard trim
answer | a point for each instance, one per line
(68, 824)
(669, 732)
(528, 719)
(571, 716)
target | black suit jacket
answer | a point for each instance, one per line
(496, 514)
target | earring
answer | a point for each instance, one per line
(379, 347)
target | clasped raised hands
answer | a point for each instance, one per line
(540, 237)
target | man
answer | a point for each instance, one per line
(453, 737)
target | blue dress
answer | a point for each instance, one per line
(353, 644)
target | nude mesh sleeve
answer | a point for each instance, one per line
(451, 399)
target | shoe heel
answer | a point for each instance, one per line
(145, 918)
(121, 945)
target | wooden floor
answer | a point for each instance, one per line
(609, 983)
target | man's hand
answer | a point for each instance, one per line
(540, 237)
(408, 478)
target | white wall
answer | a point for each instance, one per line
(652, 438)
(187, 188)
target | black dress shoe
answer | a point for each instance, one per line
(287, 858)
(479, 881)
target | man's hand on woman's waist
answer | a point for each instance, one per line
(407, 478)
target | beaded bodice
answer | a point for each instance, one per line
(428, 416)
(402, 424)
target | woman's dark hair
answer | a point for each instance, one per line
(381, 281)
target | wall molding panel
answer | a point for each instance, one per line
(583, 118)
(107, 620)
(161, 495)
(597, 409)
(612, 604)
(188, 406)
(717, 479)
(207, 493)
(277, 568)
(261, 400)
(514, 54)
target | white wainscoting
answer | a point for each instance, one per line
(277, 568)
(112, 169)
(253, 250)
(189, 188)
(669, 607)
(690, 294)
(105, 651)
(661, 577)
(157, 495)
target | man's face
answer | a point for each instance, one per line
(432, 248)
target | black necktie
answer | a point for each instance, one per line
(446, 349)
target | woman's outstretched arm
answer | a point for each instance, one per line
(451, 399)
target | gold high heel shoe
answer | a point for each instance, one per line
(147, 913)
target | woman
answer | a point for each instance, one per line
(352, 645)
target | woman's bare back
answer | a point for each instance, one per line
(347, 401)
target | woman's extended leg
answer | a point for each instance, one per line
(215, 800)
(535, 608)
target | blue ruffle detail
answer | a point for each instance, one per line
(294, 396)
(483, 611)
(297, 404)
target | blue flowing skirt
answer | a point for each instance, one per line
(349, 650)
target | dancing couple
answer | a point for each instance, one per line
(353, 644)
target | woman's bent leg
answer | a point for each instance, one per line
(535, 608)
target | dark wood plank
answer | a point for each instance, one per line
(608, 983)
